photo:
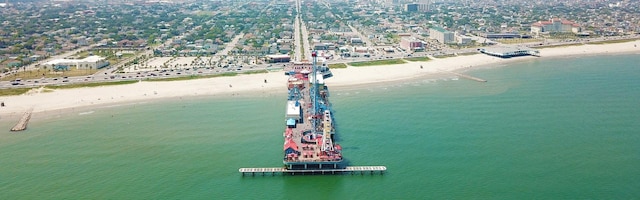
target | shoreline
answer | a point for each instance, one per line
(69, 100)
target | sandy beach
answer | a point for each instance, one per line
(42, 101)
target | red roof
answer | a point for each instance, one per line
(288, 131)
(289, 143)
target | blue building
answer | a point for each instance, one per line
(411, 7)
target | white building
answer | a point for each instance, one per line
(91, 62)
(443, 36)
(356, 40)
(463, 39)
(554, 25)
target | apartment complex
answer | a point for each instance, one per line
(443, 36)
(411, 43)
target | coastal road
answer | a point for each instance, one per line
(297, 50)
(305, 41)
(300, 37)
(229, 46)
(364, 39)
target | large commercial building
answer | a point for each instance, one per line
(462, 39)
(443, 36)
(416, 7)
(410, 43)
(555, 25)
(413, 7)
(91, 62)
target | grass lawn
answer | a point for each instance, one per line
(13, 91)
(377, 62)
(556, 46)
(518, 40)
(192, 77)
(82, 55)
(206, 76)
(613, 41)
(36, 74)
(49, 88)
(264, 71)
(445, 56)
(468, 53)
(337, 66)
(80, 85)
(417, 59)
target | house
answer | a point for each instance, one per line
(285, 49)
(356, 40)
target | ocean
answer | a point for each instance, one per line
(561, 128)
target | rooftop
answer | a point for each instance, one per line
(279, 56)
(507, 49)
(64, 60)
(439, 29)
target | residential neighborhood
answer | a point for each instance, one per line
(130, 36)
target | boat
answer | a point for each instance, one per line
(309, 135)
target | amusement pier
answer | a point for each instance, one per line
(309, 144)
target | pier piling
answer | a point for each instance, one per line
(348, 170)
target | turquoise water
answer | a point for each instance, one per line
(544, 129)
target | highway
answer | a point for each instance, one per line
(297, 50)
(305, 41)
(142, 75)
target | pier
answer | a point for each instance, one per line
(284, 171)
(22, 123)
(466, 76)
(309, 145)
(510, 51)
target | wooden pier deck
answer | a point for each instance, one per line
(466, 76)
(22, 123)
(284, 171)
